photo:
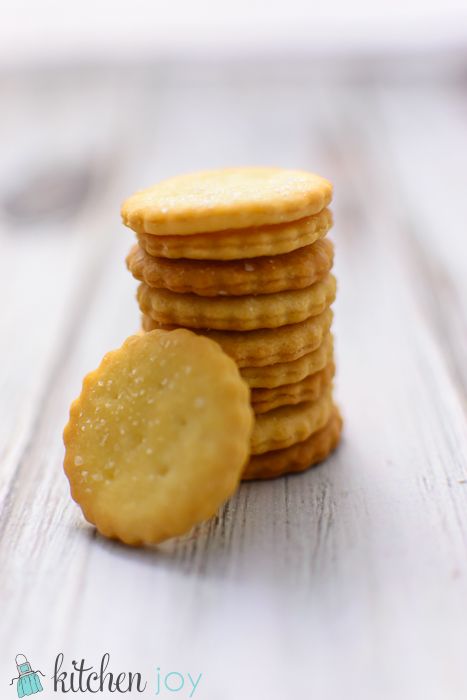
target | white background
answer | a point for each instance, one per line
(112, 29)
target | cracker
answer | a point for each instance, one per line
(308, 389)
(276, 375)
(287, 425)
(298, 457)
(264, 275)
(267, 346)
(215, 200)
(240, 244)
(237, 313)
(158, 437)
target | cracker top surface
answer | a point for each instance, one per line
(219, 200)
(158, 437)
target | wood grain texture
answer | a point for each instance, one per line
(347, 581)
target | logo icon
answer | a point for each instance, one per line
(28, 680)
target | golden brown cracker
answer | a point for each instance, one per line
(267, 346)
(289, 424)
(276, 375)
(237, 313)
(298, 457)
(240, 244)
(231, 198)
(308, 389)
(159, 436)
(266, 275)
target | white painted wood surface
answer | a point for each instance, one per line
(349, 581)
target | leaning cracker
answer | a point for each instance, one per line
(289, 424)
(215, 200)
(276, 375)
(264, 275)
(308, 389)
(158, 437)
(267, 346)
(243, 243)
(237, 313)
(298, 457)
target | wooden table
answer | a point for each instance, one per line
(349, 581)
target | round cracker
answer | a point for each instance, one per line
(298, 457)
(232, 198)
(158, 437)
(308, 389)
(267, 346)
(237, 313)
(289, 424)
(276, 375)
(239, 244)
(264, 275)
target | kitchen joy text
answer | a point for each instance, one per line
(82, 677)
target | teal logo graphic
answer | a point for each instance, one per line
(28, 680)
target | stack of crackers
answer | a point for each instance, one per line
(241, 256)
